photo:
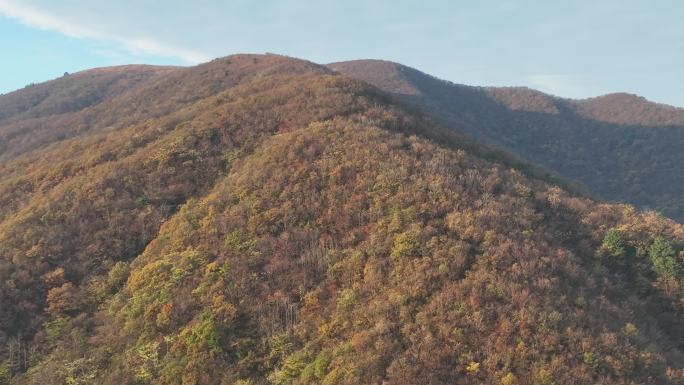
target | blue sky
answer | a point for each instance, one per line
(575, 49)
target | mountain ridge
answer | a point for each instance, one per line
(604, 143)
(613, 99)
(208, 78)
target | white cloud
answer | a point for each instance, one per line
(43, 19)
(158, 48)
(34, 17)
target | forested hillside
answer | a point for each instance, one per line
(263, 220)
(622, 147)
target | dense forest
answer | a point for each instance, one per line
(620, 146)
(264, 220)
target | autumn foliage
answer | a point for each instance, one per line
(296, 226)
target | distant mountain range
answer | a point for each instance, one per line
(620, 146)
(261, 219)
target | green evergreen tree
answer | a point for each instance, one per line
(664, 259)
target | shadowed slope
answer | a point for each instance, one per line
(622, 147)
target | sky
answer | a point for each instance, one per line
(569, 48)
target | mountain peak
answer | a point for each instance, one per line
(273, 63)
(630, 109)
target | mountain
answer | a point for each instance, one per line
(261, 219)
(620, 146)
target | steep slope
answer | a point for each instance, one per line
(622, 147)
(88, 202)
(300, 227)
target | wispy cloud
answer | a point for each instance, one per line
(574, 49)
(39, 18)
(565, 85)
